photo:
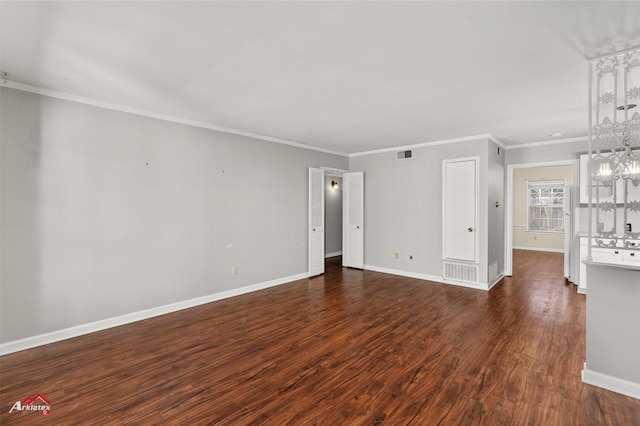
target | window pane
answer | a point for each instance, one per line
(545, 200)
(557, 225)
(545, 212)
(534, 224)
(534, 212)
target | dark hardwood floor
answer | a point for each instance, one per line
(350, 347)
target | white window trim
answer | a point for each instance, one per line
(538, 182)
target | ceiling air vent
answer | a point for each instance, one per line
(404, 155)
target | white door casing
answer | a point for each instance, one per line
(316, 221)
(460, 209)
(353, 220)
(567, 207)
(508, 234)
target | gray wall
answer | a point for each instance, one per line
(107, 213)
(613, 335)
(403, 206)
(333, 216)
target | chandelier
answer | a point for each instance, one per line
(625, 165)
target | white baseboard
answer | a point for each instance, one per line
(550, 250)
(426, 277)
(611, 383)
(333, 254)
(496, 280)
(79, 330)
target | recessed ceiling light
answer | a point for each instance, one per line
(556, 135)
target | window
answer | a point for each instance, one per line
(544, 206)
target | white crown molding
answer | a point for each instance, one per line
(497, 141)
(424, 144)
(137, 111)
(549, 142)
(164, 117)
(82, 329)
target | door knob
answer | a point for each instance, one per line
(470, 229)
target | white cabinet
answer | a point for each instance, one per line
(607, 255)
(631, 256)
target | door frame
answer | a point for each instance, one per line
(328, 171)
(508, 232)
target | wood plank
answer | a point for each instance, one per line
(348, 347)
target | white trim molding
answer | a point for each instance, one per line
(333, 254)
(548, 142)
(79, 330)
(424, 144)
(332, 171)
(550, 250)
(495, 281)
(432, 278)
(151, 114)
(164, 117)
(611, 383)
(497, 141)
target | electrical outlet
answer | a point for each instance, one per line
(396, 255)
(234, 270)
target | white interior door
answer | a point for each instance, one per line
(459, 209)
(316, 221)
(353, 220)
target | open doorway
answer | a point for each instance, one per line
(333, 215)
(539, 224)
(349, 187)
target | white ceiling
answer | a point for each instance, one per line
(344, 76)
